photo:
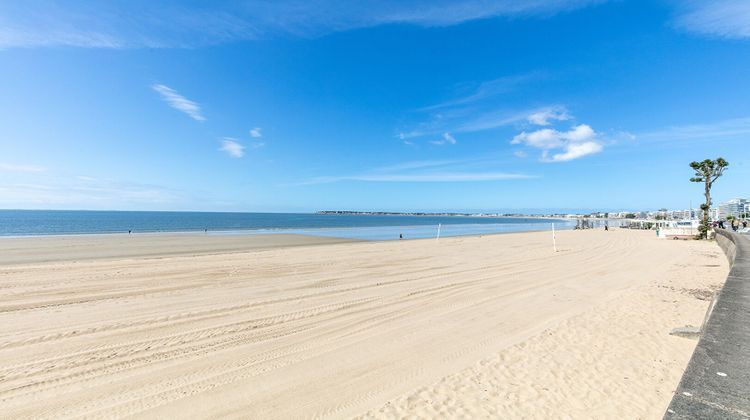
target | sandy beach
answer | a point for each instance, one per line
(468, 327)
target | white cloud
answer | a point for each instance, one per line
(45, 23)
(256, 133)
(179, 102)
(232, 148)
(577, 150)
(546, 138)
(580, 133)
(520, 154)
(721, 18)
(544, 116)
(11, 167)
(575, 143)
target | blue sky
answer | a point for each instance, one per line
(394, 105)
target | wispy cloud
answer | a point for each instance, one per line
(575, 143)
(488, 89)
(720, 18)
(232, 147)
(139, 24)
(179, 102)
(475, 121)
(416, 165)
(427, 171)
(256, 133)
(122, 24)
(491, 120)
(428, 177)
(12, 167)
(545, 116)
(62, 191)
(715, 131)
(447, 139)
(482, 108)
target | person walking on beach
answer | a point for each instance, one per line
(400, 236)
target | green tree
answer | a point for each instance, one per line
(707, 172)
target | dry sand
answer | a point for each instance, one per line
(465, 327)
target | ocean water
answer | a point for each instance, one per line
(64, 222)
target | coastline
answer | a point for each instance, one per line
(339, 330)
(21, 223)
(59, 247)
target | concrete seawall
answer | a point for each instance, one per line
(716, 383)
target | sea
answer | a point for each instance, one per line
(352, 226)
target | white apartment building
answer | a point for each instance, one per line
(733, 207)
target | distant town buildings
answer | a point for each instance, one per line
(738, 207)
(735, 207)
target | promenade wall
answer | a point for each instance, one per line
(716, 383)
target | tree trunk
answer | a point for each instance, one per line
(708, 206)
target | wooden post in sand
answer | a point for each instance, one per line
(554, 242)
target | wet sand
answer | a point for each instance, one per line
(35, 249)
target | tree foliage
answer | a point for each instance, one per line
(707, 172)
